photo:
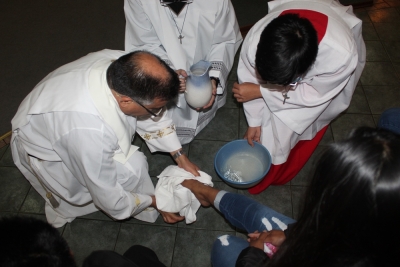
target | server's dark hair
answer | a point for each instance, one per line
(287, 48)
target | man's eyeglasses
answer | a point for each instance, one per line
(292, 86)
(294, 83)
(152, 113)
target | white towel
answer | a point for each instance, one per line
(171, 196)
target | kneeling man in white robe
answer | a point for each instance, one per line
(72, 135)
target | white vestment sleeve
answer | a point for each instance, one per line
(247, 73)
(139, 31)
(159, 135)
(226, 40)
(88, 153)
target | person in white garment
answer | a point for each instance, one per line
(182, 33)
(72, 135)
(298, 68)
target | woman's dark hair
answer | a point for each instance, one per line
(287, 48)
(351, 214)
(29, 242)
(128, 77)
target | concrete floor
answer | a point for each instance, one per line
(42, 35)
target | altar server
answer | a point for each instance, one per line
(298, 69)
(183, 33)
(72, 135)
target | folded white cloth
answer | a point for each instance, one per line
(171, 196)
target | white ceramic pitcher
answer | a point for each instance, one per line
(198, 85)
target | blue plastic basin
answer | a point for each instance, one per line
(240, 165)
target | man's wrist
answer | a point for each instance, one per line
(217, 82)
(153, 202)
(177, 154)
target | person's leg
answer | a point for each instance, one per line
(243, 212)
(390, 120)
(66, 212)
(248, 214)
(30, 167)
(226, 250)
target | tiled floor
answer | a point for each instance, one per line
(189, 245)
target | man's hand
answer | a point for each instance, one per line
(275, 237)
(253, 134)
(246, 91)
(184, 163)
(171, 217)
(214, 95)
(167, 216)
(182, 80)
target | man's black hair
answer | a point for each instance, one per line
(287, 48)
(29, 242)
(128, 77)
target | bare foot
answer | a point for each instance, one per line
(205, 194)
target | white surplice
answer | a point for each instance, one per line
(211, 33)
(71, 133)
(324, 92)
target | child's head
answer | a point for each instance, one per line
(352, 209)
(356, 186)
(29, 242)
(287, 48)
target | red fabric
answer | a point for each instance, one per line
(318, 20)
(298, 157)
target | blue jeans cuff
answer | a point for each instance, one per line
(218, 198)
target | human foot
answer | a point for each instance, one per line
(205, 194)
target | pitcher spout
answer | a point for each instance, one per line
(200, 68)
